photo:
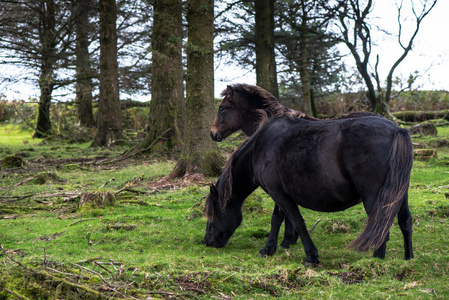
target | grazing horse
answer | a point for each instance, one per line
(324, 166)
(244, 107)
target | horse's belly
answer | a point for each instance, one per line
(326, 198)
(328, 204)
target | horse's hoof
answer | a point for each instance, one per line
(311, 264)
(265, 253)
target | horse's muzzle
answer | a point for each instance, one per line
(216, 136)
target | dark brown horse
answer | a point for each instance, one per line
(244, 107)
(324, 166)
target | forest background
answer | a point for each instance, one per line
(320, 57)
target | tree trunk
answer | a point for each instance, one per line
(83, 87)
(167, 90)
(43, 125)
(304, 63)
(109, 114)
(199, 154)
(46, 81)
(266, 75)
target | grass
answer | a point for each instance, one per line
(150, 244)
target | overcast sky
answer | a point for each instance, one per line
(430, 50)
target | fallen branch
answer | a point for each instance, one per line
(131, 190)
(8, 199)
(74, 285)
(69, 195)
(7, 251)
(26, 180)
(88, 260)
(16, 294)
(139, 202)
(81, 220)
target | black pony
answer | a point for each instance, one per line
(324, 166)
(245, 107)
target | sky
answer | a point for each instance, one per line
(429, 57)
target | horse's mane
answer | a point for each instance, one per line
(226, 180)
(270, 106)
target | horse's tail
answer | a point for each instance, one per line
(391, 194)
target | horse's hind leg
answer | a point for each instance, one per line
(369, 207)
(405, 223)
(276, 221)
(380, 252)
(290, 235)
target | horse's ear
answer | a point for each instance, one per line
(230, 91)
(213, 191)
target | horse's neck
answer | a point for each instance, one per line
(242, 178)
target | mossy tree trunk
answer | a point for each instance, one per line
(109, 113)
(83, 87)
(167, 90)
(199, 153)
(48, 40)
(266, 75)
(304, 63)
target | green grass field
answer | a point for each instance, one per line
(149, 243)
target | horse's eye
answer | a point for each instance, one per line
(222, 109)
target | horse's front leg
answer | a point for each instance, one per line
(276, 221)
(292, 213)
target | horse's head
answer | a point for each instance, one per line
(230, 116)
(222, 220)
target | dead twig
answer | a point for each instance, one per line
(101, 266)
(207, 276)
(106, 183)
(94, 272)
(23, 118)
(313, 227)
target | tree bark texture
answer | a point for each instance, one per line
(304, 63)
(199, 150)
(47, 23)
(83, 100)
(109, 114)
(167, 89)
(266, 75)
